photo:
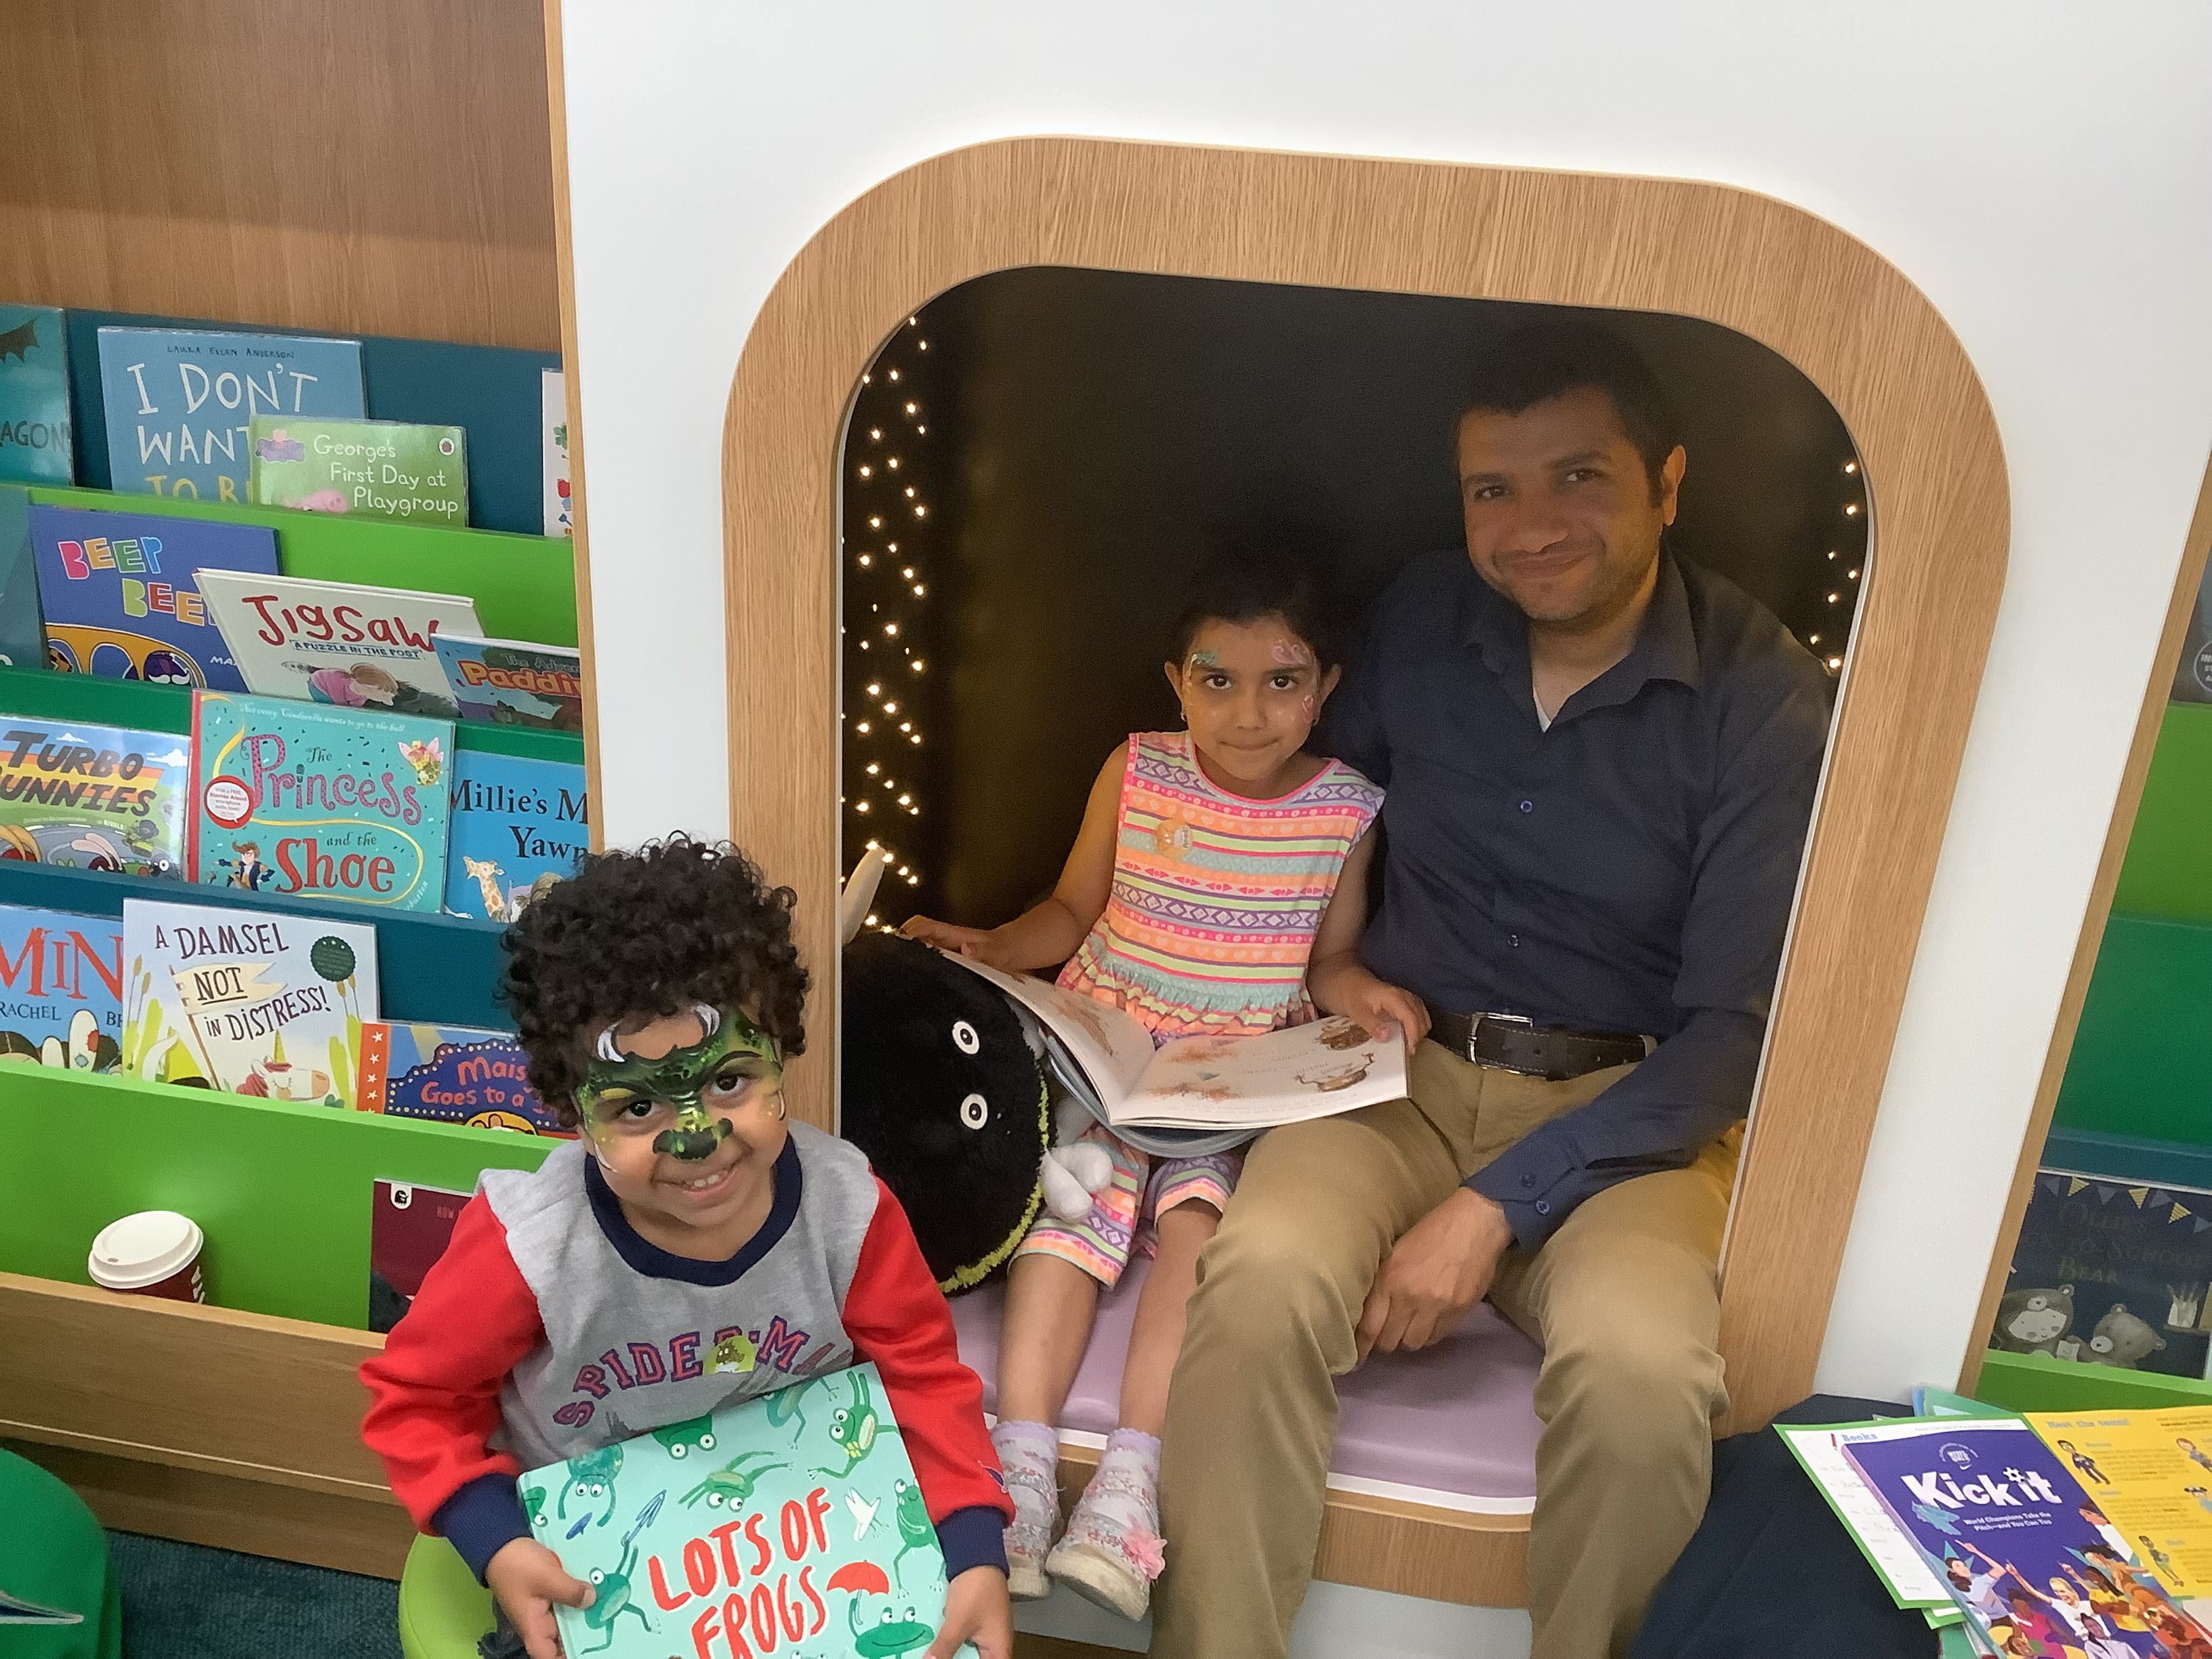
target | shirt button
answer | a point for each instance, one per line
(1528, 1181)
(1516, 939)
(1542, 1209)
(1528, 805)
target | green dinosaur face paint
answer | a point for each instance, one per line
(677, 1098)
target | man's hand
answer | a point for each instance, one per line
(976, 1610)
(528, 1579)
(1383, 1007)
(1440, 1268)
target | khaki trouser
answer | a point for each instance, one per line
(1623, 1297)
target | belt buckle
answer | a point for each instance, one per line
(1523, 1022)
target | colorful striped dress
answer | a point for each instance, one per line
(1217, 898)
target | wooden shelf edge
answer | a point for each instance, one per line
(128, 1308)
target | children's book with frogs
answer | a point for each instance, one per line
(790, 1523)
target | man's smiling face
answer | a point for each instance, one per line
(1562, 517)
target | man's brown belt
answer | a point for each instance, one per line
(1513, 1044)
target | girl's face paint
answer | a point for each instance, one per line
(1250, 694)
(685, 1115)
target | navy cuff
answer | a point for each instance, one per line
(973, 1537)
(483, 1518)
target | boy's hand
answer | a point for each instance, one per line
(528, 1579)
(976, 1610)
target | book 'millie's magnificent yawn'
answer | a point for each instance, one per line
(452, 1074)
(340, 803)
(791, 1522)
(514, 683)
(180, 402)
(120, 592)
(35, 402)
(517, 824)
(93, 796)
(339, 643)
(247, 1000)
(61, 989)
(376, 469)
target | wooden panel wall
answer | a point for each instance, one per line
(382, 167)
(1871, 342)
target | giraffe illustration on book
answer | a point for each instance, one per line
(486, 875)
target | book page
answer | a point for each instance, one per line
(1896, 1559)
(1112, 1047)
(2150, 1475)
(1302, 1071)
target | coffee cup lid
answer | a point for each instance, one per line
(142, 1249)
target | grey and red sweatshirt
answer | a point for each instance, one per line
(550, 1329)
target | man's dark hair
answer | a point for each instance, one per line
(1248, 586)
(1538, 362)
(645, 933)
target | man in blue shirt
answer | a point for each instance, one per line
(1600, 762)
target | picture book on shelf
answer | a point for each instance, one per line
(121, 592)
(791, 1521)
(23, 629)
(1328, 1065)
(61, 989)
(409, 1227)
(553, 405)
(2015, 1540)
(2111, 1272)
(36, 443)
(514, 682)
(339, 643)
(253, 1001)
(93, 796)
(517, 824)
(379, 469)
(452, 1074)
(328, 803)
(180, 402)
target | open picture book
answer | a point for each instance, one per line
(1316, 1070)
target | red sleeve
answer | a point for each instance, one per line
(897, 1317)
(435, 1390)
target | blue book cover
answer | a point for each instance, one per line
(517, 825)
(514, 683)
(452, 1074)
(336, 804)
(61, 989)
(120, 597)
(22, 631)
(35, 400)
(179, 401)
(784, 1523)
(2002, 1520)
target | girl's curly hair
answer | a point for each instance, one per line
(645, 933)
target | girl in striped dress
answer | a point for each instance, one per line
(1209, 862)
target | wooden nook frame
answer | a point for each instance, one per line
(1873, 345)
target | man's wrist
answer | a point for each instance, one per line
(1484, 1221)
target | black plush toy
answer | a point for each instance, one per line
(940, 1090)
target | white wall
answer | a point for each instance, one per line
(2042, 171)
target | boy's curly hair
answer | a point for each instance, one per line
(648, 933)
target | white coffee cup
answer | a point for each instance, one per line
(153, 1253)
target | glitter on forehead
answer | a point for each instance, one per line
(1206, 660)
(1291, 652)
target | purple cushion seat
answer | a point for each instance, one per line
(1454, 1424)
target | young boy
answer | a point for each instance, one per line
(690, 1249)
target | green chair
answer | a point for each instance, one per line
(53, 1559)
(443, 1611)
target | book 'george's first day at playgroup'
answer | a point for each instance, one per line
(338, 804)
(790, 1523)
(247, 1000)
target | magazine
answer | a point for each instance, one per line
(341, 643)
(1895, 1558)
(2151, 1473)
(1317, 1070)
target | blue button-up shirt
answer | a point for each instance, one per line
(1629, 869)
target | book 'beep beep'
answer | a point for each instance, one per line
(180, 403)
(93, 796)
(337, 804)
(341, 643)
(61, 989)
(121, 593)
(253, 1001)
(789, 1523)
(374, 469)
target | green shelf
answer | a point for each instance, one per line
(2168, 868)
(2141, 1062)
(282, 1192)
(2037, 1382)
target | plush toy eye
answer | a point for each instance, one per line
(975, 1111)
(964, 1038)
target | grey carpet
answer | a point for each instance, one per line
(184, 1601)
